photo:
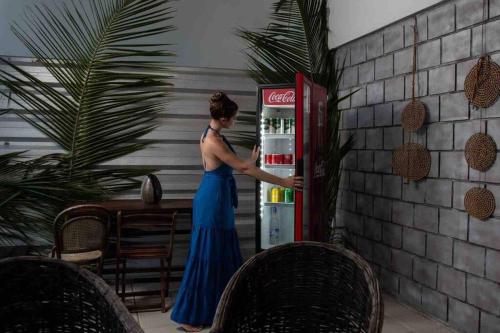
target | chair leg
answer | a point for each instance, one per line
(124, 266)
(99, 265)
(162, 285)
(117, 276)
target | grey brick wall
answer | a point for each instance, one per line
(425, 248)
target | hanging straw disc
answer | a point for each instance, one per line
(413, 116)
(480, 151)
(482, 84)
(479, 202)
(411, 161)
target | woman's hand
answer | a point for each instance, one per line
(295, 182)
(255, 154)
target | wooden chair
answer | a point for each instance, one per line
(133, 229)
(81, 235)
(301, 287)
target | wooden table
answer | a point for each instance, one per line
(181, 205)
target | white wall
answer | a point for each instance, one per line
(205, 35)
(350, 19)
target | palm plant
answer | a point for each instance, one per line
(111, 84)
(296, 40)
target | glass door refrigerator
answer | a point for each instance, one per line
(291, 124)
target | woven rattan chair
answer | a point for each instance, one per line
(81, 235)
(48, 295)
(301, 287)
(133, 229)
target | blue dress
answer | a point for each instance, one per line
(214, 253)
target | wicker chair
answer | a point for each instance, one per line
(48, 295)
(81, 235)
(301, 287)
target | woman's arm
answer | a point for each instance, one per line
(248, 167)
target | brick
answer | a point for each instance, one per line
(383, 114)
(493, 174)
(463, 131)
(375, 93)
(357, 181)
(435, 303)
(382, 161)
(438, 192)
(391, 235)
(421, 30)
(425, 272)
(495, 189)
(382, 255)
(451, 282)
(349, 201)
(358, 52)
(382, 208)
(349, 77)
(442, 79)
(419, 137)
(434, 172)
(492, 33)
(393, 137)
(469, 258)
(414, 191)
(453, 223)
(426, 218)
(463, 316)
(402, 213)
(494, 8)
(456, 46)
(373, 229)
(453, 165)
(432, 106)
(485, 233)
(459, 190)
(401, 262)
(483, 294)
(359, 139)
(350, 118)
(414, 241)
(391, 186)
(342, 57)
(384, 67)
(420, 85)
(429, 54)
(374, 45)
(463, 68)
(345, 103)
(364, 204)
(440, 248)
(365, 160)
(494, 130)
(489, 323)
(393, 38)
(389, 281)
(477, 46)
(441, 20)
(365, 117)
(403, 61)
(469, 12)
(358, 97)
(354, 223)
(374, 138)
(440, 136)
(373, 184)
(350, 160)
(410, 292)
(365, 248)
(394, 89)
(366, 72)
(454, 107)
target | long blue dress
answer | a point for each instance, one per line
(214, 253)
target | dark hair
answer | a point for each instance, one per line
(221, 106)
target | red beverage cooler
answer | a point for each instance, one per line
(291, 131)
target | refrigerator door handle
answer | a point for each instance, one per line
(300, 167)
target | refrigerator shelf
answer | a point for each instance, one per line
(278, 136)
(279, 203)
(279, 166)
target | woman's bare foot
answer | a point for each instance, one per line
(189, 328)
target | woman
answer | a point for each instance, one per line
(214, 254)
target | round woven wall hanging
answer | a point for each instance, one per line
(413, 116)
(480, 151)
(411, 161)
(479, 202)
(482, 84)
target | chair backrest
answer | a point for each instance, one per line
(301, 287)
(81, 228)
(145, 229)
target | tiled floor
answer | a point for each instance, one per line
(399, 318)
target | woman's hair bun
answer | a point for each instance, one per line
(222, 106)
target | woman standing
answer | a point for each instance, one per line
(214, 253)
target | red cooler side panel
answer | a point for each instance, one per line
(299, 151)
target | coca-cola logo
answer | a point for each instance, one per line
(279, 97)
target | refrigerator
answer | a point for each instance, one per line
(291, 125)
